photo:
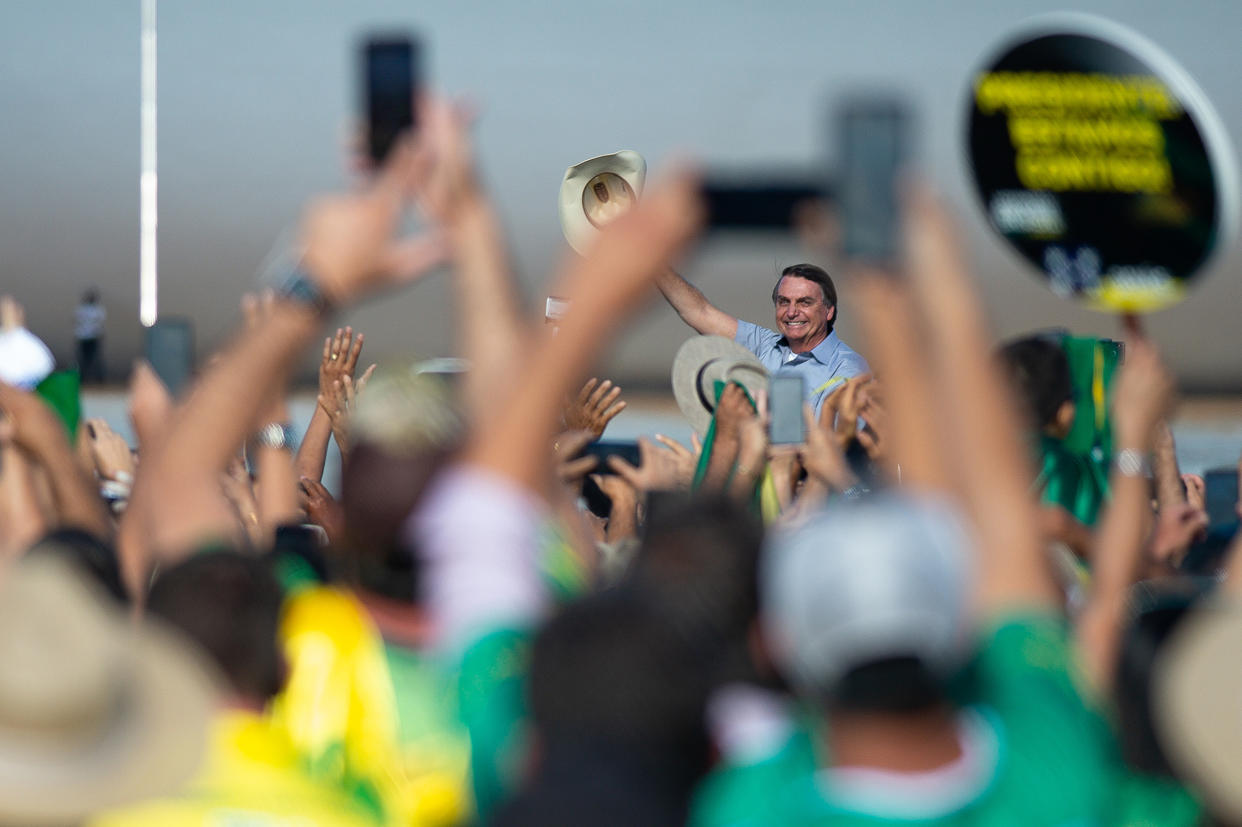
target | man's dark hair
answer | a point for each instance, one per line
(608, 669)
(89, 554)
(820, 276)
(1039, 371)
(890, 685)
(229, 604)
(379, 490)
(698, 564)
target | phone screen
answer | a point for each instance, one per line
(785, 396)
(389, 87)
(872, 136)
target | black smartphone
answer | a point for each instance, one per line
(390, 84)
(626, 449)
(872, 140)
(785, 395)
(768, 203)
(1221, 495)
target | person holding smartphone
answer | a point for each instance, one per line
(803, 343)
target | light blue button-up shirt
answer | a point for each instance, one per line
(822, 369)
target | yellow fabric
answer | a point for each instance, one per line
(251, 777)
(340, 712)
(769, 501)
(836, 380)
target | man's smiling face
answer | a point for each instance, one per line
(802, 315)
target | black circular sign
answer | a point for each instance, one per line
(1101, 162)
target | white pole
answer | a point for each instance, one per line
(148, 288)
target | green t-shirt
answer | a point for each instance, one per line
(1042, 757)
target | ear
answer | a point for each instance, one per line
(831, 314)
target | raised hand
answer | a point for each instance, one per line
(570, 467)
(596, 405)
(340, 357)
(322, 509)
(667, 468)
(109, 451)
(349, 242)
(1143, 395)
(822, 454)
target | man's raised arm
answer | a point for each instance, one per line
(694, 308)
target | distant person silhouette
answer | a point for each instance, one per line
(88, 330)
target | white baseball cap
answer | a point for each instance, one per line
(888, 576)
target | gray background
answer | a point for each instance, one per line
(256, 97)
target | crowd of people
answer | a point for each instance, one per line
(936, 609)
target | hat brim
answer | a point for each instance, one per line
(703, 360)
(154, 741)
(1197, 684)
(578, 229)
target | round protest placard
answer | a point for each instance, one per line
(1101, 162)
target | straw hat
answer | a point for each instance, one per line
(704, 360)
(1197, 700)
(94, 711)
(598, 190)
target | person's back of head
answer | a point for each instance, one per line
(229, 604)
(404, 431)
(865, 606)
(1040, 375)
(698, 563)
(618, 707)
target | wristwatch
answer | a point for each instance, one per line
(277, 435)
(1131, 463)
(299, 287)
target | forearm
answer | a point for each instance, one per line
(724, 450)
(891, 329)
(1169, 490)
(77, 499)
(178, 490)
(1115, 561)
(693, 307)
(489, 318)
(313, 450)
(21, 518)
(275, 491)
(218, 415)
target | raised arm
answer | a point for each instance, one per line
(603, 288)
(1141, 398)
(490, 325)
(693, 307)
(349, 251)
(979, 419)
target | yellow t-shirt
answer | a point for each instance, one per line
(252, 776)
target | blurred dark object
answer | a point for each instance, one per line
(599, 503)
(1207, 555)
(1157, 607)
(619, 707)
(757, 201)
(873, 134)
(1221, 495)
(229, 604)
(390, 85)
(88, 555)
(169, 348)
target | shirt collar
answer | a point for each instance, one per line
(824, 351)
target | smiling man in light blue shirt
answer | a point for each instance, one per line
(803, 343)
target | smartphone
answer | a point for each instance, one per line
(785, 396)
(1221, 495)
(390, 84)
(872, 135)
(769, 203)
